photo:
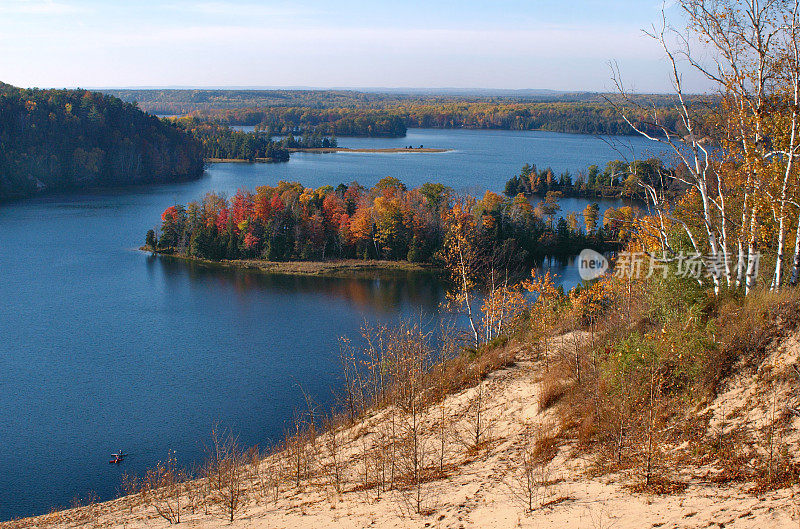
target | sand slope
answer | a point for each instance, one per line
(483, 488)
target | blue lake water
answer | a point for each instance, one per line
(105, 348)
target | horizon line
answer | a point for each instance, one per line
(400, 89)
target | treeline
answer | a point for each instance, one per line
(582, 117)
(393, 120)
(389, 221)
(351, 113)
(63, 139)
(300, 120)
(619, 179)
(308, 140)
(186, 101)
(219, 141)
(331, 122)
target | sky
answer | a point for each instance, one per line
(506, 44)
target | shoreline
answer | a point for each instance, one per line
(384, 150)
(342, 268)
(329, 150)
(239, 160)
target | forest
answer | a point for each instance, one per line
(388, 221)
(619, 179)
(353, 113)
(65, 139)
(332, 122)
(221, 142)
(392, 121)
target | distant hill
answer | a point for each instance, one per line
(186, 100)
(70, 139)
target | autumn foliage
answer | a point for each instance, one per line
(388, 221)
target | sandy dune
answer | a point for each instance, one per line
(483, 488)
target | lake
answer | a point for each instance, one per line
(104, 348)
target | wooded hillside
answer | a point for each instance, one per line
(67, 139)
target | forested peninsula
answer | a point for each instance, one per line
(220, 143)
(389, 222)
(73, 139)
(619, 179)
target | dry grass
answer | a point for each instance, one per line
(660, 485)
(552, 390)
(747, 329)
(633, 399)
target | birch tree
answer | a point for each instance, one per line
(748, 50)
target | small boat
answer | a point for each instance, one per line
(118, 458)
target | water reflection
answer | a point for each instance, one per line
(370, 291)
(383, 291)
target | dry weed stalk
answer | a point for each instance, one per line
(531, 482)
(163, 488)
(226, 471)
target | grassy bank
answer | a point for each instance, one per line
(337, 268)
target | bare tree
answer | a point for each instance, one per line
(296, 450)
(412, 356)
(335, 465)
(653, 412)
(531, 482)
(479, 426)
(353, 399)
(193, 490)
(131, 486)
(443, 432)
(226, 472)
(163, 487)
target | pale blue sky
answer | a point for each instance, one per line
(563, 45)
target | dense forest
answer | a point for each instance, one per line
(63, 139)
(619, 179)
(221, 142)
(333, 122)
(392, 121)
(351, 113)
(389, 221)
